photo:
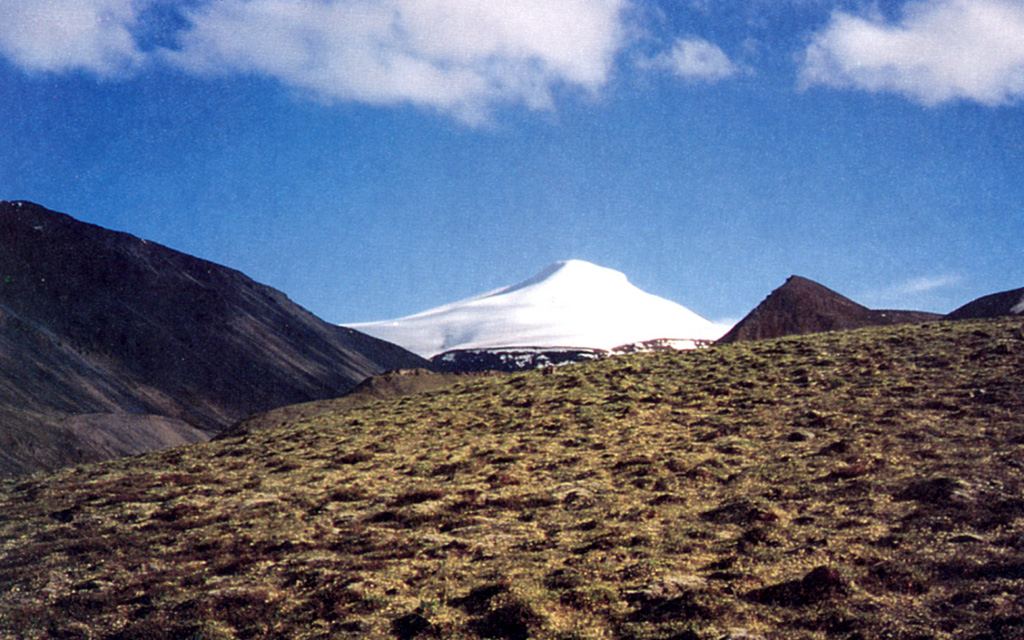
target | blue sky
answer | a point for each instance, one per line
(374, 159)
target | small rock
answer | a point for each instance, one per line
(966, 538)
(727, 575)
(741, 634)
(848, 471)
(410, 626)
(64, 516)
(578, 499)
(358, 589)
(838, 447)
(673, 586)
(800, 435)
(933, 491)
(822, 583)
(740, 511)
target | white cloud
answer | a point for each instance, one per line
(696, 59)
(63, 35)
(941, 50)
(459, 56)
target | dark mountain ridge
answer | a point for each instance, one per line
(94, 321)
(1004, 303)
(802, 306)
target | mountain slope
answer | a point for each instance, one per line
(96, 321)
(568, 304)
(802, 306)
(1005, 303)
(32, 442)
(855, 484)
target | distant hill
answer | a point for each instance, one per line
(95, 322)
(387, 386)
(1005, 303)
(803, 306)
(845, 485)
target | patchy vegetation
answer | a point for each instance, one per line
(856, 485)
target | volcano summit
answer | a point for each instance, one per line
(569, 304)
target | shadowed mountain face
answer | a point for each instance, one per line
(1005, 303)
(803, 306)
(98, 322)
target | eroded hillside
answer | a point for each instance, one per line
(864, 484)
(147, 345)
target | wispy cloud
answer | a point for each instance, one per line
(911, 292)
(941, 50)
(67, 35)
(696, 60)
(926, 284)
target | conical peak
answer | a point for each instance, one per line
(805, 306)
(578, 266)
(800, 282)
(568, 304)
(805, 291)
(577, 270)
(570, 273)
(583, 269)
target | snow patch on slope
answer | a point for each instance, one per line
(568, 304)
(1019, 307)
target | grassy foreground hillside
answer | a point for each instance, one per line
(857, 485)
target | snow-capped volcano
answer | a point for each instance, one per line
(568, 304)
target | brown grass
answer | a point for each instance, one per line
(856, 485)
